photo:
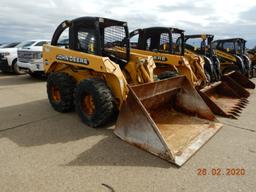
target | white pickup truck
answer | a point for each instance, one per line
(30, 58)
(8, 57)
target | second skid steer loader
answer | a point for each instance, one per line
(167, 118)
(166, 45)
(202, 45)
(231, 53)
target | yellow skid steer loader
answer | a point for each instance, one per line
(232, 56)
(166, 45)
(167, 118)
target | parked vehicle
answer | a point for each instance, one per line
(30, 58)
(9, 45)
(8, 57)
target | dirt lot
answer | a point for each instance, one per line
(42, 150)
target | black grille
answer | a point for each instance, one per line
(25, 56)
(4, 65)
(28, 56)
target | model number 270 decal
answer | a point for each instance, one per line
(159, 58)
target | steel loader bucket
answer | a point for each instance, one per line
(240, 79)
(167, 118)
(225, 98)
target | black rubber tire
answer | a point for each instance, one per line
(16, 68)
(231, 68)
(34, 74)
(37, 75)
(105, 107)
(248, 64)
(5, 71)
(208, 77)
(66, 85)
(167, 74)
(240, 64)
(253, 70)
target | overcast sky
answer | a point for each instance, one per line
(24, 20)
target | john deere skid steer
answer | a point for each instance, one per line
(166, 45)
(167, 118)
(232, 56)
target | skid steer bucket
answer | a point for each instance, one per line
(167, 118)
(225, 98)
(240, 79)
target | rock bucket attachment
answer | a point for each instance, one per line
(225, 98)
(167, 118)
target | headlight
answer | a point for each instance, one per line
(5, 54)
(37, 55)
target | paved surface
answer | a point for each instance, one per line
(42, 150)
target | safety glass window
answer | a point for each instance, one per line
(214, 45)
(194, 43)
(239, 47)
(9, 45)
(148, 43)
(164, 42)
(63, 40)
(177, 43)
(229, 46)
(114, 36)
(41, 43)
(134, 41)
(86, 41)
(25, 44)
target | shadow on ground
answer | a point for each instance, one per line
(36, 124)
(112, 151)
(8, 79)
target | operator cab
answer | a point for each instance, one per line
(233, 46)
(95, 35)
(158, 39)
(200, 44)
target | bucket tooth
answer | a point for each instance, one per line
(167, 118)
(242, 104)
(245, 101)
(233, 115)
(235, 111)
(238, 108)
